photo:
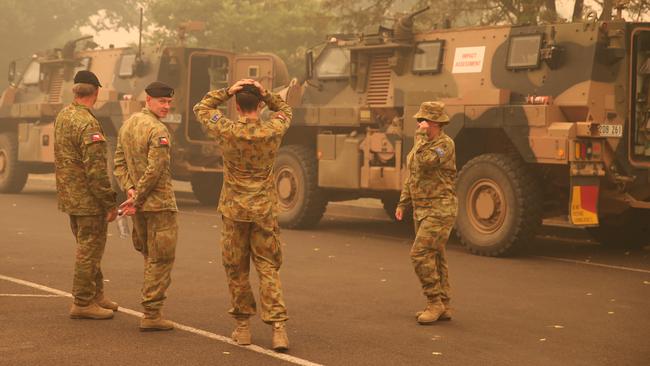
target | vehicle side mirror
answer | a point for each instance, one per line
(11, 74)
(309, 64)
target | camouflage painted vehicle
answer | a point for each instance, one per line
(551, 123)
(30, 104)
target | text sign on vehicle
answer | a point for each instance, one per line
(610, 130)
(468, 60)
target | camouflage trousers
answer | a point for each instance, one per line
(90, 233)
(429, 257)
(155, 235)
(259, 241)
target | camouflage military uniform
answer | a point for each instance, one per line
(83, 192)
(142, 162)
(430, 188)
(248, 202)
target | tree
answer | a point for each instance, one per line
(28, 26)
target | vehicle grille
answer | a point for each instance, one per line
(379, 80)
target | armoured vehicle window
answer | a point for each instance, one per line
(427, 57)
(126, 66)
(32, 74)
(333, 63)
(523, 52)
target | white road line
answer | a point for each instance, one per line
(28, 295)
(200, 332)
(631, 269)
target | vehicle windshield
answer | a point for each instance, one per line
(333, 62)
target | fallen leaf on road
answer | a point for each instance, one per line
(383, 280)
(558, 326)
(542, 339)
(646, 282)
(107, 280)
(209, 262)
(436, 353)
(226, 352)
(316, 249)
(588, 294)
(610, 312)
(612, 300)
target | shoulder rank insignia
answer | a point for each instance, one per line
(440, 152)
(215, 118)
(163, 141)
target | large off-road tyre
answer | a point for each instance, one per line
(301, 202)
(499, 204)
(629, 230)
(13, 175)
(207, 187)
(390, 205)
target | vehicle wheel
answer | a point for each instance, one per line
(499, 204)
(207, 187)
(628, 230)
(301, 202)
(13, 176)
(390, 205)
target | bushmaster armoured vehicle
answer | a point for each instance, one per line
(28, 107)
(551, 124)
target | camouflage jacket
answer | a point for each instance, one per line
(82, 183)
(430, 184)
(249, 148)
(142, 162)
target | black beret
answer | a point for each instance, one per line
(86, 77)
(158, 89)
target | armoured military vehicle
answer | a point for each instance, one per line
(551, 124)
(38, 91)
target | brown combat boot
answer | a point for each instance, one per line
(280, 339)
(242, 334)
(92, 311)
(432, 312)
(446, 315)
(153, 321)
(105, 303)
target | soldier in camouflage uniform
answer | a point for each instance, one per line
(142, 166)
(84, 192)
(430, 189)
(248, 201)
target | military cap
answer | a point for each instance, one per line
(158, 89)
(433, 111)
(86, 77)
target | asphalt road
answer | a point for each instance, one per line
(349, 288)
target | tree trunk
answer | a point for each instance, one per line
(577, 10)
(607, 10)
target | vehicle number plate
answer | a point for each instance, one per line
(610, 130)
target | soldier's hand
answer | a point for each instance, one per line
(238, 86)
(128, 207)
(111, 215)
(399, 214)
(260, 87)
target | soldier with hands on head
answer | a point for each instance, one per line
(248, 202)
(84, 192)
(430, 189)
(142, 167)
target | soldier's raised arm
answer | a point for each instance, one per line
(120, 169)
(93, 156)
(281, 119)
(432, 156)
(212, 120)
(158, 160)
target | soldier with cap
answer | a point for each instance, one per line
(142, 167)
(429, 188)
(84, 192)
(248, 202)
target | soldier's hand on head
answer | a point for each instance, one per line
(260, 87)
(111, 215)
(238, 86)
(399, 214)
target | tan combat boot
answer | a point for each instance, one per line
(242, 334)
(446, 315)
(153, 321)
(105, 303)
(280, 339)
(92, 311)
(432, 313)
